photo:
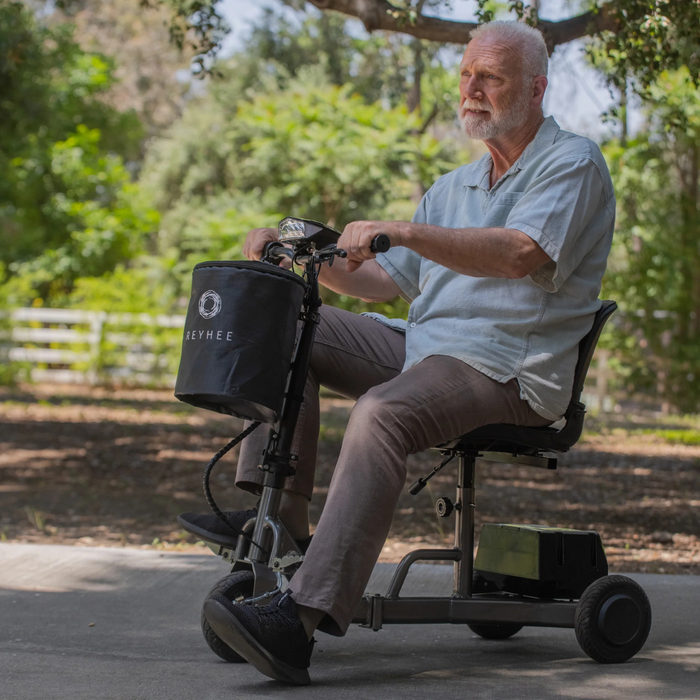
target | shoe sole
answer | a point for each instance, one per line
(223, 541)
(205, 535)
(231, 631)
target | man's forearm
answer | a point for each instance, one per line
(478, 252)
(369, 283)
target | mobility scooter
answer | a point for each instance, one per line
(246, 352)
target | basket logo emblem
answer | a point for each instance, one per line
(209, 304)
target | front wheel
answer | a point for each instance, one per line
(612, 619)
(236, 586)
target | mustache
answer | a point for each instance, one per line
(473, 104)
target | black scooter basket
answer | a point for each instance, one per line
(239, 338)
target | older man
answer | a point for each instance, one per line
(502, 266)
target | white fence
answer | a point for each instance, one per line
(90, 347)
(74, 346)
(596, 394)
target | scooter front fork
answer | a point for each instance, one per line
(269, 550)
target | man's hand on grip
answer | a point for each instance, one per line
(357, 238)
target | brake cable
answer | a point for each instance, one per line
(207, 491)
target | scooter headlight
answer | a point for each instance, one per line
(292, 229)
(314, 233)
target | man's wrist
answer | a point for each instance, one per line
(401, 233)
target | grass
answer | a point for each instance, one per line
(676, 437)
(673, 429)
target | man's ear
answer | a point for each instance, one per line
(539, 85)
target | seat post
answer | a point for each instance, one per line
(464, 526)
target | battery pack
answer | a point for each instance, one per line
(539, 561)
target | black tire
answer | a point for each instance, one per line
(235, 585)
(612, 619)
(502, 630)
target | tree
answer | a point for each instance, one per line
(65, 206)
(654, 269)
(377, 68)
(642, 37)
(146, 64)
(91, 218)
(314, 150)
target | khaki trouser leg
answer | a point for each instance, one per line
(351, 354)
(439, 399)
(397, 414)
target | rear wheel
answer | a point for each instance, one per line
(502, 630)
(235, 586)
(612, 619)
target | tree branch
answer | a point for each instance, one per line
(587, 24)
(374, 14)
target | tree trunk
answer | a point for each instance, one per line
(693, 225)
(623, 115)
(413, 99)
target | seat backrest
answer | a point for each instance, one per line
(587, 346)
(569, 435)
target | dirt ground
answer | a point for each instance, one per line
(90, 466)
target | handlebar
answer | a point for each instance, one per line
(275, 251)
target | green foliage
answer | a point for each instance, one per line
(65, 197)
(379, 67)
(195, 25)
(654, 269)
(49, 85)
(652, 36)
(90, 220)
(122, 290)
(313, 149)
(323, 152)
(641, 38)
(676, 437)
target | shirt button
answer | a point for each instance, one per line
(413, 325)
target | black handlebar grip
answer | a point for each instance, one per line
(274, 253)
(380, 244)
(269, 248)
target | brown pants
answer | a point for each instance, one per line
(396, 414)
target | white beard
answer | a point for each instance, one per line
(477, 127)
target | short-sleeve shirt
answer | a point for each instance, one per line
(559, 193)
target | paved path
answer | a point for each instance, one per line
(145, 642)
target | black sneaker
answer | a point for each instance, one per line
(270, 637)
(211, 528)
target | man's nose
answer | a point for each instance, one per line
(472, 89)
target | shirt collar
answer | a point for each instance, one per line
(478, 174)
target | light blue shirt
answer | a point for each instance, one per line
(560, 194)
